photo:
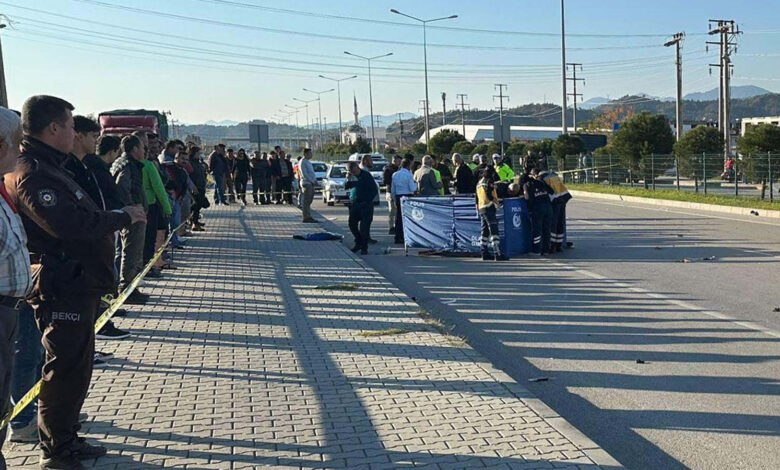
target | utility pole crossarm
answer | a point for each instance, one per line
(575, 95)
(501, 96)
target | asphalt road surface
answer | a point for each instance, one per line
(665, 364)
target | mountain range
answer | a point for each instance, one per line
(737, 92)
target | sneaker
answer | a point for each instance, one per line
(109, 331)
(83, 450)
(355, 249)
(97, 362)
(371, 241)
(27, 434)
(137, 298)
(63, 462)
(309, 221)
(486, 256)
(500, 257)
(104, 355)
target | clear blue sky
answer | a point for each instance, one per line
(201, 71)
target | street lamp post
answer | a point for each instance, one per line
(370, 92)
(338, 88)
(296, 109)
(319, 108)
(425, 61)
(308, 124)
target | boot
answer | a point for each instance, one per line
(485, 255)
(500, 257)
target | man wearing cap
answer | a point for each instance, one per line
(474, 162)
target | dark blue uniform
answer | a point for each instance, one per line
(537, 193)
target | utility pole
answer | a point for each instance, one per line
(401, 134)
(463, 111)
(424, 110)
(564, 127)
(574, 95)
(3, 91)
(443, 108)
(728, 31)
(677, 42)
(501, 97)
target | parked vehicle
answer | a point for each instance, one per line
(320, 171)
(125, 121)
(333, 185)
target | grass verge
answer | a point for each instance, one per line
(387, 332)
(441, 328)
(685, 196)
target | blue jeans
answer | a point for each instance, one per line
(28, 362)
(219, 189)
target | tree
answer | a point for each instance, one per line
(542, 147)
(642, 136)
(755, 148)
(419, 149)
(689, 149)
(360, 145)
(464, 148)
(564, 146)
(442, 142)
(516, 149)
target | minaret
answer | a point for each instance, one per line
(355, 112)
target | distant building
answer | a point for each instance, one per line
(355, 130)
(774, 120)
(490, 133)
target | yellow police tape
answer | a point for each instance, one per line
(104, 318)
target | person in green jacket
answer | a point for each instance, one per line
(158, 212)
(504, 171)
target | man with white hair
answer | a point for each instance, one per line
(464, 178)
(15, 279)
(427, 185)
(474, 162)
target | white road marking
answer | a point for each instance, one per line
(680, 303)
(666, 209)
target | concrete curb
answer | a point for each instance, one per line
(678, 204)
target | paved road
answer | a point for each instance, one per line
(706, 395)
(243, 361)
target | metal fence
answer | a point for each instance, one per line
(745, 176)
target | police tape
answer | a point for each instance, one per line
(101, 321)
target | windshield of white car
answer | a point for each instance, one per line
(338, 172)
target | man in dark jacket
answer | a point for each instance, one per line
(363, 191)
(107, 148)
(537, 194)
(198, 177)
(230, 162)
(276, 174)
(71, 244)
(387, 182)
(446, 174)
(241, 174)
(464, 178)
(128, 174)
(218, 168)
(260, 171)
(87, 132)
(286, 177)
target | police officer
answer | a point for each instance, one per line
(504, 171)
(559, 198)
(487, 206)
(537, 194)
(71, 243)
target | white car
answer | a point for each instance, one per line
(333, 185)
(356, 157)
(320, 171)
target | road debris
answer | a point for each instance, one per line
(640, 361)
(539, 379)
(753, 212)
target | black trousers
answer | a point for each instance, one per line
(153, 215)
(287, 189)
(259, 186)
(558, 231)
(541, 217)
(490, 236)
(360, 217)
(67, 326)
(240, 185)
(8, 329)
(399, 220)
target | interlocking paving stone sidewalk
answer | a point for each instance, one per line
(240, 362)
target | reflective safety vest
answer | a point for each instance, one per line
(472, 166)
(437, 174)
(505, 173)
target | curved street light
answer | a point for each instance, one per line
(370, 92)
(425, 60)
(319, 108)
(338, 88)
